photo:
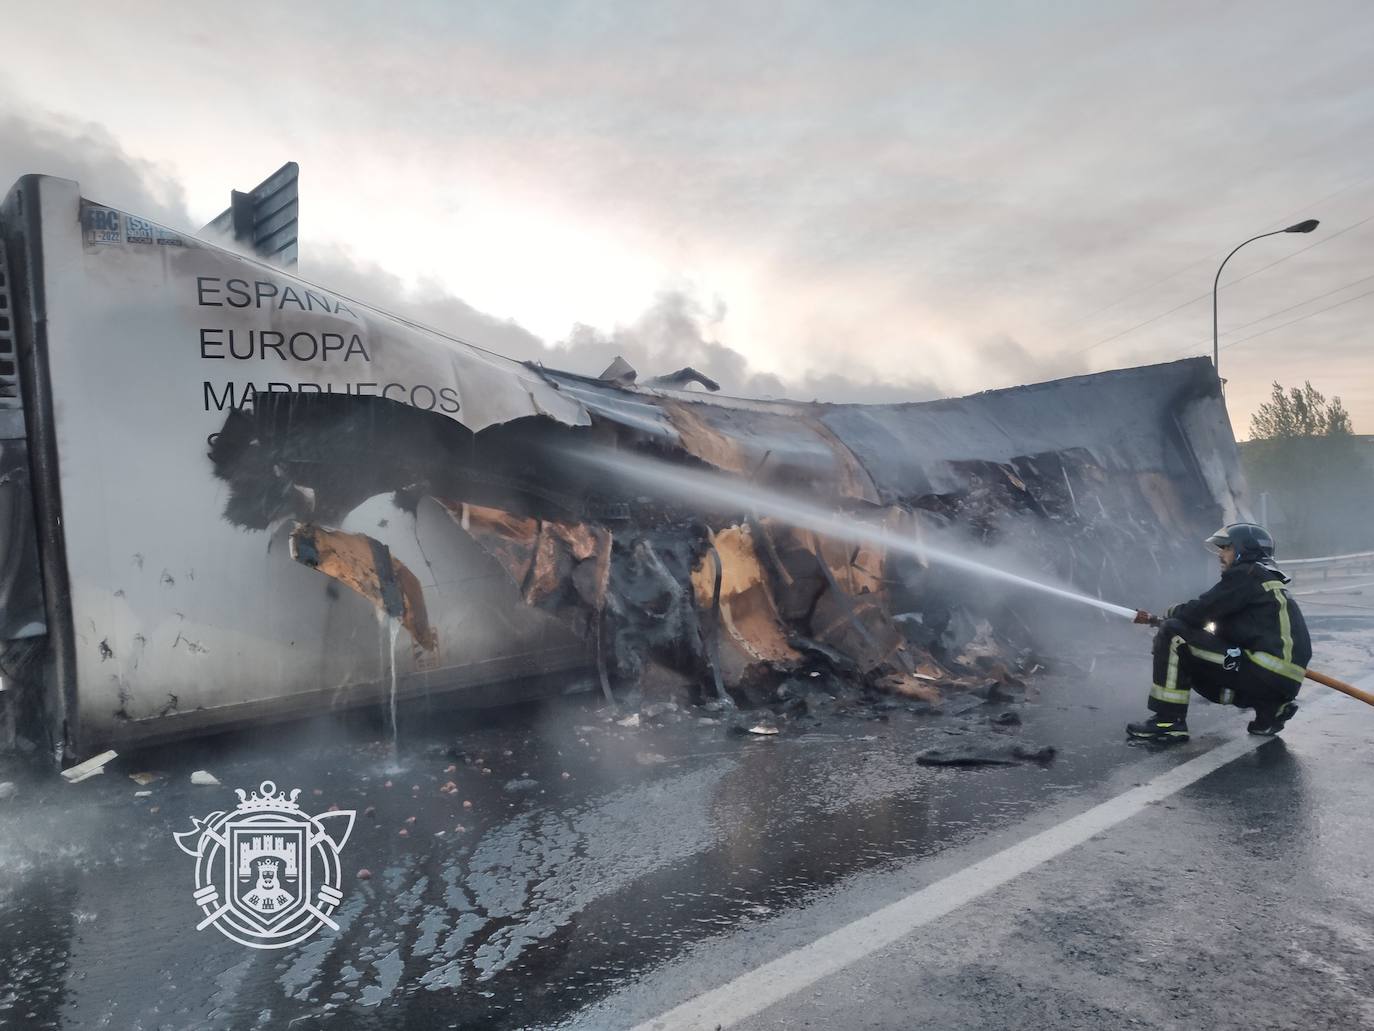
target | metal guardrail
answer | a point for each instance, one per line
(1332, 575)
(1366, 555)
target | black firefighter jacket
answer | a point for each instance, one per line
(1252, 610)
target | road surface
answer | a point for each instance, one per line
(680, 874)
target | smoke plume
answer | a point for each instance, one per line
(674, 332)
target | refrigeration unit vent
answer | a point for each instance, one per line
(9, 371)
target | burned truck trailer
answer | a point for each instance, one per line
(232, 496)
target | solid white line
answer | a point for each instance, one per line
(763, 986)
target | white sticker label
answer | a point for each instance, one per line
(101, 225)
(139, 230)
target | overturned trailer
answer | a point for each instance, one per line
(233, 496)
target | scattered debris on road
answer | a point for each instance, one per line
(90, 768)
(985, 753)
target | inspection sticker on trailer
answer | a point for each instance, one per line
(139, 230)
(101, 225)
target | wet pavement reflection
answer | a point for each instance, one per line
(512, 866)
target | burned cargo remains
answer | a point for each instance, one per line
(1103, 483)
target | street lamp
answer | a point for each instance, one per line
(1301, 227)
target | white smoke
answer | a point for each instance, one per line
(675, 331)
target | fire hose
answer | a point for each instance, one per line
(1147, 619)
(1341, 686)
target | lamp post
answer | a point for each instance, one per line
(1301, 227)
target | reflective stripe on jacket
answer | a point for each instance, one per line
(1252, 609)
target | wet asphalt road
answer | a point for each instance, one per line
(1246, 901)
(598, 874)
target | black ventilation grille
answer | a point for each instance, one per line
(9, 371)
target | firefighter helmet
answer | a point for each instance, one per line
(1253, 543)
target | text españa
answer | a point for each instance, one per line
(214, 292)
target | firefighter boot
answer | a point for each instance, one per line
(1269, 719)
(1163, 729)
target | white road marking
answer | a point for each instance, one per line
(763, 986)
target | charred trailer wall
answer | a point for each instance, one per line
(1105, 483)
(1113, 477)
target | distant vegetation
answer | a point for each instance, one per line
(1318, 475)
(1300, 413)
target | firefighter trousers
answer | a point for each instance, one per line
(1189, 658)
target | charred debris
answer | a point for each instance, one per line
(1103, 482)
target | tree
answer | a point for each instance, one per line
(1299, 413)
(1304, 455)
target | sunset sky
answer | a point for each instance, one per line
(843, 201)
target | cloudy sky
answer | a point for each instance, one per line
(844, 201)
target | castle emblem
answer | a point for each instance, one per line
(267, 874)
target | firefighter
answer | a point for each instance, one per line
(1243, 643)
